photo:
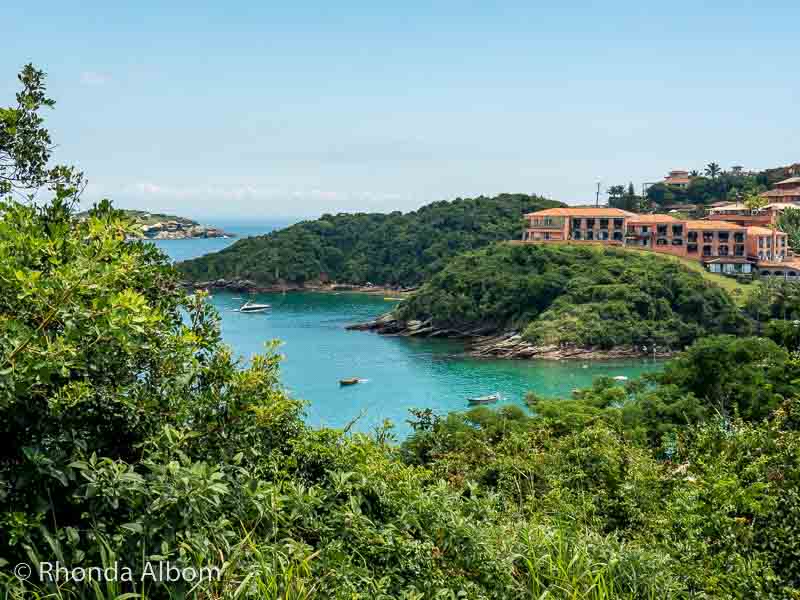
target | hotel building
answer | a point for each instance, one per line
(722, 246)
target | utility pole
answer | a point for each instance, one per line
(597, 197)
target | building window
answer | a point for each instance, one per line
(706, 250)
(677, 241)
(769, 242)
(677, 230)
(722, 250)
(761, 242)
(589, 223)
(723, 236)
(603, 223)
(738, 250)
(662, 242)
(708, 236)
(618, 236)
(738, 237)
(692, 236)
(576, 235)
(546, 235)
(589, 234)
(618, 223)
(691, 248)
(662, 229)
(576, 223)
(645, 229)
(602, 235)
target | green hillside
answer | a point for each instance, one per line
(581, 296)
(387, 249)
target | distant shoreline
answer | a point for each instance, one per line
(247, 286)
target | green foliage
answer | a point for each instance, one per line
(716, 185)
(132, 435)
(574, 296)
(386, 249)
(789, 223)
(706, 499)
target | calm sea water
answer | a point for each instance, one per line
(401, 373)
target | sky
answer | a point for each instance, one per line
(257, 110)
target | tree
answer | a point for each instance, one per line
(713, 170)
(789, 223)
(755, 202)
(616, 191)
(25, 145)
(694, 173)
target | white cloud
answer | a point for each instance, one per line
(94, 78)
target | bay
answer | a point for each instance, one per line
(400, 373)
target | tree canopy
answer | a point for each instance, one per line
(388, 249)
(578, 296)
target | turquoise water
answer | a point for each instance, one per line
(400, 373)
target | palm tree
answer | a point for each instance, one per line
(694, 173)
(712, 170)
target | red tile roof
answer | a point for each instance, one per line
(577, 211)
(652, 219)
(781, 193)
(697, 224)
(755, 230)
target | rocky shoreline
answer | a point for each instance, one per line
(247, 285)
(481, 343)
(180, 231)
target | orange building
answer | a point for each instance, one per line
(579, 224)
(723, 246)
(678, 178)
(787, 190)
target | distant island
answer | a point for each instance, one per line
(159, 226)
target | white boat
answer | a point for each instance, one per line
(490, 399)
(253, 307)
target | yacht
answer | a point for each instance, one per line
(253, 307)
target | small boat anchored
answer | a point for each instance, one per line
(350, 381)
(253, 307)
(490, 399)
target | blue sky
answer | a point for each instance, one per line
(263, 109)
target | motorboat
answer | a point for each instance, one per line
(490, 399)
(253, 307)
(349, 381)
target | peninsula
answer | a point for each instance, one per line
(159, 226)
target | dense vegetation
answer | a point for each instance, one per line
(385, 249)
(713, 185)
(575, 296)
(132, 435)
(690, 480)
